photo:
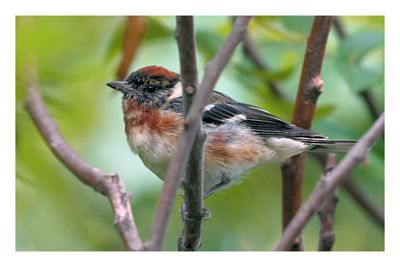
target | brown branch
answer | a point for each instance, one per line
(371, 103)
(310, 87)
(339, 28)
(327, 211)
(134, 33)
(108, 184)
(178, 161)
(361, 198)
(193, 208)
(356, 155)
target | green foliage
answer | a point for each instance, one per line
(76, 56)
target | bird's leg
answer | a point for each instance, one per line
(225, 180)
(205, 214)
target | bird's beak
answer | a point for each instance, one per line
(121, 86)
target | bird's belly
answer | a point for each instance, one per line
(155, 151)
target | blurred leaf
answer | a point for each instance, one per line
(298, 24)
(359, 78)
(156, 29)
(323, 111)
(284, 29)
(208, 44)
(355, 46)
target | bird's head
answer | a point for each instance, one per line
(150, 87)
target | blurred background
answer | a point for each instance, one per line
(76, 56)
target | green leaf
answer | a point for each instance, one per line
(359, 78)
(323, 111)
(299, 24)
(353, 48)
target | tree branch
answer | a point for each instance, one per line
(193, 178)
(327, 211)
(361, 198)
(178, 161)
(356, 155)
(134, 33)
(310, 87)
(108, 184)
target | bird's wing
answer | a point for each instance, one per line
(259, 121)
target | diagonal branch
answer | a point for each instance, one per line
(193, 178)
(327, 211)
(178, 161)
(356, 155)
(109, 184)
(310, 87)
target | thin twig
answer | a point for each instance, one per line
(371, 103)
(352, 189)
(193, 178)
(134, 33)
(327, 211)
(339, 27)
(175, 170)
(310, 87)
(360, 197)
(109, 184)
(366, 93)
(365, 202)
(356, 155)
(252, 53)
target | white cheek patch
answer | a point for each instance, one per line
(176, 91)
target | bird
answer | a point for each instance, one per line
(239, 136)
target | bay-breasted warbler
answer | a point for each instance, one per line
(239, 136)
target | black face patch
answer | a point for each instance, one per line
(150, 91)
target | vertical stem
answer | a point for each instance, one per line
(193, 178)
(310, 87)
(179, 159)
(327, 211)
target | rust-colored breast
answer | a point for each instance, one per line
(152, 121)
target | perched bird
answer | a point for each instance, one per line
(239, 136)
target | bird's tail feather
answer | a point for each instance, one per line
(331, 145)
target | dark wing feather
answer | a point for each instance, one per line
(260, 121)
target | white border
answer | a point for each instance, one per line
(172, 7)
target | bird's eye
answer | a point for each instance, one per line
(150, 89)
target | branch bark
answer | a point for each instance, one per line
(178, 161)
(193, 207)
(134, 33)
(108, 184)
(310, 88)
(327, 211)
(356, 155)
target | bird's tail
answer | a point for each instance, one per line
(330, 145)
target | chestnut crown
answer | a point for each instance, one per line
(149, 86)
